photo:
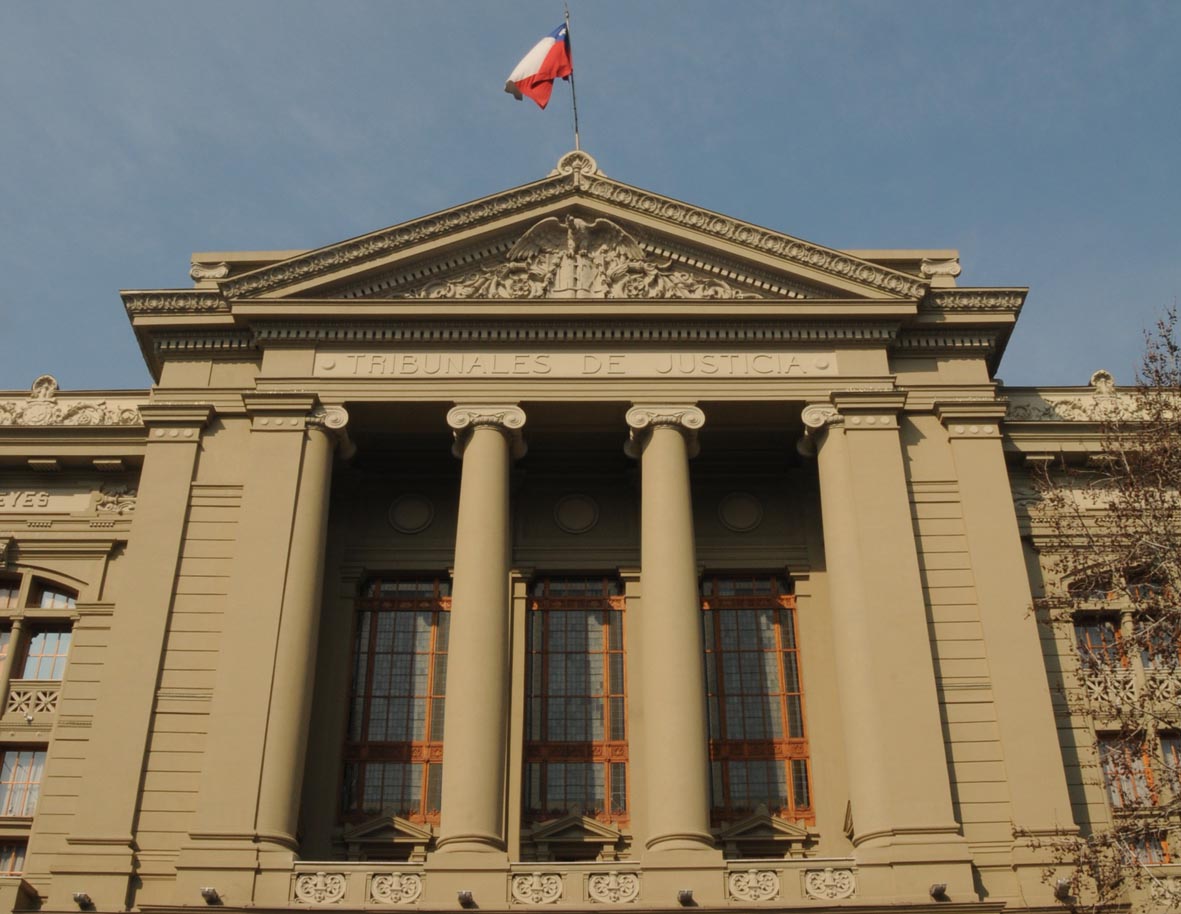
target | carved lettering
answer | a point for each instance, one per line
(595, 364)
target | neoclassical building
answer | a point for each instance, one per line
(573, 548)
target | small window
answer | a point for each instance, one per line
(9, 591)
(1159, 638)
(47, 652)
(1170, 748)
(20, 781)
(12, 858)
(1127, 773)
(50, 598)
(1098, 641)
(1149, 849)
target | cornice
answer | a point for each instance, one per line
(173, 301)
(793, 250)
(386, 241)
(230, 342)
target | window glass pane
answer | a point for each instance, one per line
(47, 652)
(12, 858)
(1125, 773)
(1098, 643)
(20, 781)
(576, 735)
(755, 705)
(9, 589)
(394, 747)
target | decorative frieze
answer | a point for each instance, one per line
(974, 300)
(170, 302)
(829, 884)
(116, 500)
(753, 885)
(395, 888)
(613, 887)
(43, 408)
(320, 888)
(536, 888)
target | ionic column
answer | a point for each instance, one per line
(487, 438)
(672, 679)
(295, 655)
(900, 793)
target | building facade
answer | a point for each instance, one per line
(573, 548)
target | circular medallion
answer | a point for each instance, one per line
(411, 513)
(740, 512)
(576, 513)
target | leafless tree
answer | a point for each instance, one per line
(1110, 539)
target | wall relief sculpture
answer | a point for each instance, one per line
(577, 258)
(42, 407)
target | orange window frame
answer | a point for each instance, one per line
(721, 594)
(1095, 651)
(363, 756)
(1121, 779)
(610, 752)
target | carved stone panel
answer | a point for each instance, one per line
(577, 258)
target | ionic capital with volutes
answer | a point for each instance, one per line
(643, 418)
(817, 417)
(333, 421)
(507, 418)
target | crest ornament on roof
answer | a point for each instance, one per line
(579, 258)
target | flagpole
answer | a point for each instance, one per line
(573, 94)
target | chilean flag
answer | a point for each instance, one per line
(535, 74)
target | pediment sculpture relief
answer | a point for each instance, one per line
(579, 258)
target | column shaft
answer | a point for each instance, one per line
(476, 724)
(295, 656)
(672, 679)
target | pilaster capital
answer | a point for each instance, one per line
(643, 418)
(175, 421)
(507, 418)
(971, 418)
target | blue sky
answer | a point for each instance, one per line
(1040, 139)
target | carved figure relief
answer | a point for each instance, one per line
(577, 258)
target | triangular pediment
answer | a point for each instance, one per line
(762, 826)
(574, 234)
(387, 828)
(575, 828)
